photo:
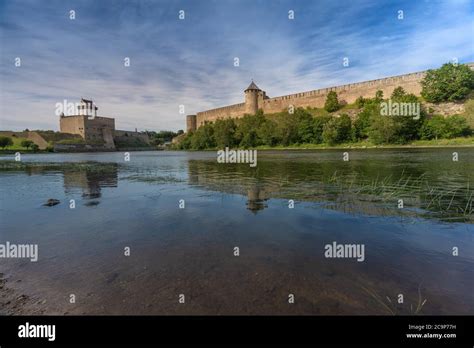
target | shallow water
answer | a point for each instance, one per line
(190, 251)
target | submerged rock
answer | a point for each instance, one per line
(50, 202)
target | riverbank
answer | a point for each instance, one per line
(421, 144)
(12, 152)
(441, 143)
(13, 302)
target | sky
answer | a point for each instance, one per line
(191, 61)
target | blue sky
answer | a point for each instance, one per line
(190, 62)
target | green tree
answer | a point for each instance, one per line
(5, 141)
(330, 134)
(378, 96)
(247, 126)
(382, 130)
(26, 143)
(337, 130)
(34, 147)
(363, 120)
(440, 127)
(451, 82)
(224, 132)
(407, 126)
(332, 103)
(433, 128)
(318, 128)
(344, 128)
(456, 126)
(305, 126)
(287, 128)
(398, 93)
(186, 142)
(267, 133)
(203, 137)
(360, 102)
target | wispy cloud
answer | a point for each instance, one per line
(190, 62)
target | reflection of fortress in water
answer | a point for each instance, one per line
(257, 196)
(203, 174)
(317, 183)
(90, 181)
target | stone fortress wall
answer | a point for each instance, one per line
(256, 99)
(346, 93)
(232, 111)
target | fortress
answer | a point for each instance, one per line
(97, 129)
(83, 131)
(256, 99)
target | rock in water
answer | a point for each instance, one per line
(52, 202)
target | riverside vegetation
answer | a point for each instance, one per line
(9, 144)
(332, 125)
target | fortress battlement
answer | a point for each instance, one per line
(376, 82)
(256, 99)
(228, 107)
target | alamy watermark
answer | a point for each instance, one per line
(391, 108)
(346, 251)
(237, 156)
(19, 251)
(37, 331)
(84, 107)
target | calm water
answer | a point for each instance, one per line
(190, 251)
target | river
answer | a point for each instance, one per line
(131, 237)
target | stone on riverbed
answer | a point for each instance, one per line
(52, 202)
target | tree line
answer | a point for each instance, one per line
(300, 126)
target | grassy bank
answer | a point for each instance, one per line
(461, 141)
(441, 143)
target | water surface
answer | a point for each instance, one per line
(190, 251)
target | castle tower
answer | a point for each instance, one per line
(191, 123)
(251, 98)
(87, 108)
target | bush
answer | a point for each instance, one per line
(287, 128)
(331, 104)
(440, 127)
(362, 123)
(247, 126)
(330, 132)
(449, 83)
(304, 126)
(161, 137)
(5, 141)
(378, 96)
(398, 93)
(185, 143)
(34, 147)
(267, 132)
(337, 130)
(456, 126)
(71, 141)
(360, 102)
(224, 133)
(382, 130)
(203, 138)
(344, 128)
(433, 128)
(408, 127)
(318, 128)
(26, 143)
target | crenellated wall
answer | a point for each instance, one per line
(316, 98)
(345, 93)
(232, 111)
